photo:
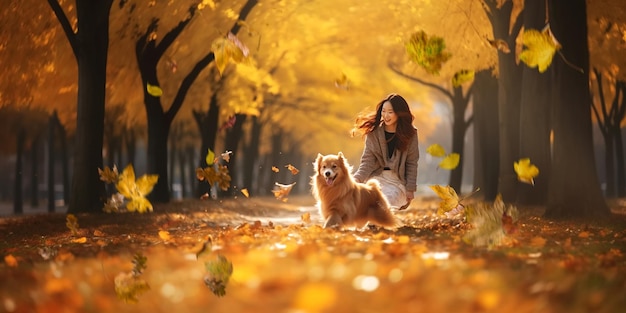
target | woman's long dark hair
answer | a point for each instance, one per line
(368, 122)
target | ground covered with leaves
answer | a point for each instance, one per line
(265, 255)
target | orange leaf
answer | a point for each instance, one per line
(165, 235)
(80, 240)
(10, 260)
(583, 234)
(538, 242)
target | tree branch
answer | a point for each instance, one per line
(65, 24)
(423, 82)
(169, 38)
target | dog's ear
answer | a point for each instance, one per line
(340, 155)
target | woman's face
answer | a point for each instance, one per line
(388, 116)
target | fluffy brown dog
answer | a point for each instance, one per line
(342, 201)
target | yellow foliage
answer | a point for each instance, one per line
(136, 191)
(449, 198)
(540, 48)
(526, 171)
(461, 77)
(450, 162)
(154, 91)
(436, 150)
(315, 297)
(228, 49)
(210, 157)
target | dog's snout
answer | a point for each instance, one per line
(327, 173)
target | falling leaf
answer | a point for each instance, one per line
(219, 176)
(275, 169)
(226, 155)
(461, 77)
(154, 91)
(210, 157)
(450, 162)
(218, 275)
(107, 175)
(526, 171)
(114, 203)
(136, 191)
(226, 50)
(500, 45)
(449, 198)
(293, 169)
(140, 263)
(342, 82)
(245, 192)
(165, 235)
(281, 191)
(540, 48)
(436, 150)
(427, 52)
(80, 240)
(228, 123)
(204, 196)
(206, 247)
(72, 223)
(10, 260)
(98, 233)
(306, 217)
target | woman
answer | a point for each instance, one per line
(391, 150)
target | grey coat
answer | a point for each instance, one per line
(374, 159)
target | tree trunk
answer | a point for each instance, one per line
(459, 128)
(535, 108)
(486, 135)
(158, 129)
(233, 138)
(51, 162)
(18, 201)
(574, 188)
(252, 154)
(64, 162)
(609, 165)
(207, 126)
(619, 157)
(508, 97)
(88, 193)
(182, 167)
(34, 173)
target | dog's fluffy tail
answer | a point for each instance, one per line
(382, 216)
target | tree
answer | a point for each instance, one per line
(148, 54)
(89, 42)
(574, 187)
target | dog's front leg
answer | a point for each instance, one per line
(333, 220)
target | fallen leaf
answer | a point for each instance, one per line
(165, 235)
(10, 260)
(538, 242)
(583, 234)
(80, 240)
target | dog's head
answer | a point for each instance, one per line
(331, 168)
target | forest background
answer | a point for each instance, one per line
(313, 67)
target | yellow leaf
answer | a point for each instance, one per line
(449, 198)
(281, 191)
(245, 192)
(210, 157)
(136, 191)
(293, 169)
(80, 240)
(10, 260)
(526, 171)
(165, 235)
(275, 169)
(540, 48)
(450, 162)
(461, 77)
(108, 175)
(436, 150)
(306, 217)
(226, 50)
(154, 91)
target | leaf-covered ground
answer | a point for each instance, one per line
(282, 261)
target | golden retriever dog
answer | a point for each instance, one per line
(342, 201)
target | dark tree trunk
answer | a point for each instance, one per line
(34, 173)
(459, 128)
(619, 160)
(486, 135)
(252, 155)
(51, 161)
(508, 97)
(535, 116)
(18, 201)
(609, 165)
(174, 137)
(574, 188)
(207, 126)
(182, 167)
(130, 139)
(90, 46)
(64, 162)
(158, 129)
(232, 141)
